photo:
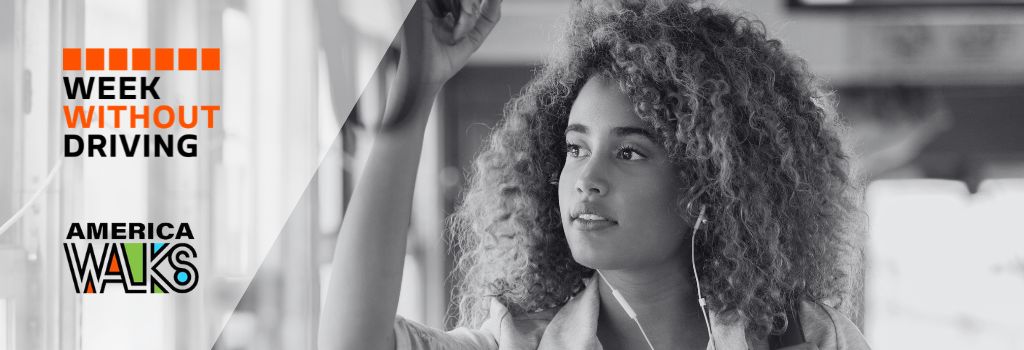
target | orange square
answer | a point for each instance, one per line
(164, 59)
(186, 59)
(211, 59)
(94, 59)
(118, 59)
(140, 59)
(72, 59)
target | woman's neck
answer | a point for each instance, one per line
(665, 301)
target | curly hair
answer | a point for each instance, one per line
(750, 128)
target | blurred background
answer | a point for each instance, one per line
(933, 91)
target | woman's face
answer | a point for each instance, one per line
(617, 192)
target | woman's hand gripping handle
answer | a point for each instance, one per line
(434, 49)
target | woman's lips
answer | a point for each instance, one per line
(591, 222)
(587, 216)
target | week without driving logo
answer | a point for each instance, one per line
(105, 91)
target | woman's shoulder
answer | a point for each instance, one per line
(830, 329)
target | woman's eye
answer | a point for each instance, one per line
(576, 151)
(629, 153)
(572, 150)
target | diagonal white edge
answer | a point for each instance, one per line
(271, 224)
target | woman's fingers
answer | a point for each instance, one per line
(491, 11)
(488, 18)
(467, 19)
(804, 346)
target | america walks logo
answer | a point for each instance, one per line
(165, 263)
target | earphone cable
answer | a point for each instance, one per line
(700, 296)
(625, 305)
(693, 263)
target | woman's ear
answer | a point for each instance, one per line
(692, 196)
(696, 209)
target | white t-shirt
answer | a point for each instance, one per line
(574, 327)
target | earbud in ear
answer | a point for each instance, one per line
(701, 219)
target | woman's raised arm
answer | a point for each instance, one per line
(366, 278)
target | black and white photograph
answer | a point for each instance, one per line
(511, 174)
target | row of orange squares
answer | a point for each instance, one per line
(95, 59)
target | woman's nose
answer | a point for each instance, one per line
(591, 180)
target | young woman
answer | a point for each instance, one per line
(666, 157)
